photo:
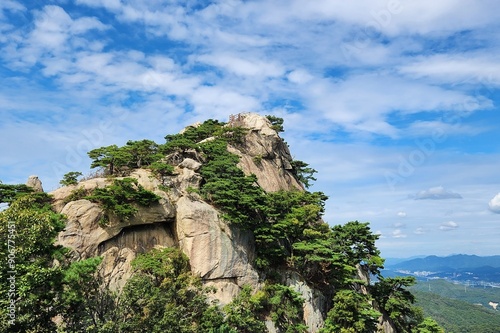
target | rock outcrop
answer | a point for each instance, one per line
(34, 183)
(219, 253)
(264, 154)
(314, 302)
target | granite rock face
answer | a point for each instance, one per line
(264, 154)
(34, 183)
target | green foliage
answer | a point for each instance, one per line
(163, 296)
(118, 160)
(161, 169)
(234, 134)
(142, 153)
(119, 198)
(352, 312)
(177, 143)
(276, 123)
(28, 229)
(356, 241)
(207, 129)
(243, 314)
(70, 178)
(397, 301)
(288, 215)
(247, 312)
(9, 193)
(110, 158)
(226, 186)
(77, 194)
(429, 325)
(86, 305)
(284, 306)
(303, 172)
(257, 159)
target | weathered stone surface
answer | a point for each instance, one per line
(190, 164)
(116, 267)
(62, 193)
(142, 238)
(82, 233)
(119, 251)
(264, 154)
(386, 325)
(34, 183)
(225, 290)
(314, 302)
(217, 252)
(185, 179)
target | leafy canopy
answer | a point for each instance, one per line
(28, 228)
(121, 196)
(9, 193)
(70, 178)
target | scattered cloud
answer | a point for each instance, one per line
(437, 193)
(448, 226)
(420, 231)
(401, 214)
(457, 69)
(494, 204)
(398, 233)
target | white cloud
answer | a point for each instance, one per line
(401, 214)
(494, 204)
(10, 5)
(471, 68)
(364, 102)
(437, 193)
(239, 65)
(447, 226)
(420, 231)
(398, 233)
(424, 128)
(299, 76)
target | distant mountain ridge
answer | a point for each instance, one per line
(458, 262)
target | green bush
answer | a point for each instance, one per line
(70, 178)
(77, 194)
(276, 123)
(161, 169)
(119, 198)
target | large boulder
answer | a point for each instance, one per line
(60, 196)
(84, 233)
(34, 183)
(219, 254)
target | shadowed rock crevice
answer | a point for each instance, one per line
(142, 238)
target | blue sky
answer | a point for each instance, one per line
(395, 103)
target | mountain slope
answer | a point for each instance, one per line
(458, 316)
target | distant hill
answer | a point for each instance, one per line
(459, 309)
(454, 262)
(470, 294)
